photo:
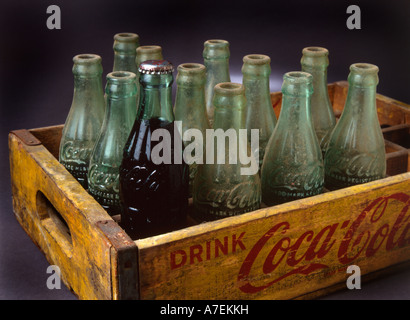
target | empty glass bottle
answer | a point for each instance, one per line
(216, 60)
(103, 174)
(144, 53)
(190, 109)
(315, 61)
(222, 187)
(293, 166)
(154, 180)
(84, 120)
(259, 110)
(356, 151)
(125, 46)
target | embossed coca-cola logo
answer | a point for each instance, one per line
(240, 196)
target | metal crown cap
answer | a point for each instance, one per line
(156, 67)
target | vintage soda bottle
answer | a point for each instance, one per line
(293, 166)
(104, 170)
(259, 111)
(154, 179)
(226, 185)
(190, 110)
(216, 60)
(315, 61)
(125, 46)
(83, 124)
(144, 53)
(356, 151)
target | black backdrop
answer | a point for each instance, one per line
(36, 81)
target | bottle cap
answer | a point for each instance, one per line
(156, 67)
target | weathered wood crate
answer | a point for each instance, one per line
(299, 249)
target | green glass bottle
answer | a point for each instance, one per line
(216, 60)
(154, 180)
(103, 173)
(190, 110)
(315, 61)
(259, 111)
(83, 124)
(222, 186)
(356, 151)
(293, 167)
(125, 46)
(144, 53)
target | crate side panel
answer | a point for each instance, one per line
(84, 259)
(285, 251)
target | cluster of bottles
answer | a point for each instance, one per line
(108, 139)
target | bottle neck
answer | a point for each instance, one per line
(361, 101)
(319, 79)
(156, 97)
(296, 111)
(219, 68)
(125, 62)
(226, 116)
(88, 90)
(257, 86)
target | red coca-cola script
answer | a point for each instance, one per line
(364, 236)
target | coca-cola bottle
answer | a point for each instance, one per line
(190, 110)
(83, 124)
(105, 161)
(226, 185)
(315, 61)
(356, 152)
(293, 167)
(259, 110)
(153, 177)
(216, 60)
(125, 46)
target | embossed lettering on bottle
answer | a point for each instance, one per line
(356, 152)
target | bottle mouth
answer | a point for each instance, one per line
(87, 58)
(298, 77)
(126, 37)
(121, 76)
(216, 43)
(229, 88)
(364, 68)
(149, 49)
(256, 59)
(191, 68)
(315, 51)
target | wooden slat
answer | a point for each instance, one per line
(312, 241)
(84, 256)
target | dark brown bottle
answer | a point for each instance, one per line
(154, 180)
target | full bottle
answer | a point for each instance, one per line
(125, 46)
(84, 120)
(103, 174)
(153, 177)
(190, 110)
(227, 183)
(293, 167)
(216, 60)
(315, 61)
(259, 111)
(356, 151)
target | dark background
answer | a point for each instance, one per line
(36, 81)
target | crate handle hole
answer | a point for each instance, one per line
(54, 223)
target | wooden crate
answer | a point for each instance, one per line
(300, 249)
